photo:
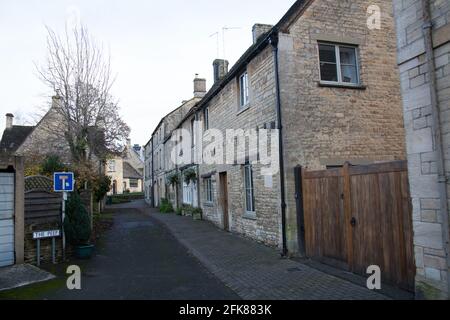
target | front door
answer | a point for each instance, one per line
(224, 200)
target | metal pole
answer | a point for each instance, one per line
(38, 249)
(53, 250)
(62, 225)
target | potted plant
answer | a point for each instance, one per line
(77, 227)
(190, 176)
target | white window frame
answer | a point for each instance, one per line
(337, 47)
(206, 118)
(244, 88)
(209, 195)
(112, 166)
(249, 207)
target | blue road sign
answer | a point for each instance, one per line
(63, 182)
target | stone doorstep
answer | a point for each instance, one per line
(22, 275)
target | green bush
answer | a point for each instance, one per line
(51, 164)
(179, 211)
(165, 206)
(77, 224)
(101, 186)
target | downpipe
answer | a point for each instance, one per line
(274, 43)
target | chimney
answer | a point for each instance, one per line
(9, 120)
(220, 69)
(259, 29)
(199, 87)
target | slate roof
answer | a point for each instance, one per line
(13, 137)
(129, 172)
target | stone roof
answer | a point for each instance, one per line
(129, 172)
(13, 137)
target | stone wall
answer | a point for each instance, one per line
(224, 114)
(327, 126)
(432, 266)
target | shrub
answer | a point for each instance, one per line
(197, 213)
(179, 211)
(77, 224)
(101, 185)
(165, 206)
(51, 164)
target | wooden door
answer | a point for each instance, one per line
(224, 200)
(359, 216)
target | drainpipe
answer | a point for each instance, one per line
(274, 42)
(436, 127)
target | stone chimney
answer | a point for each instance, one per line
(220, 69)
(259, 29)
(9, 120)
(199, 87)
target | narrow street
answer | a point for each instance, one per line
(149, 255)
(139, 259)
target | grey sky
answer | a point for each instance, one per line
(156, 47)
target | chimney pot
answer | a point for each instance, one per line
(259, 29)
(220, 69)
(199, 87)
(9, 120)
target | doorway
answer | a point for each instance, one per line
(224, 200)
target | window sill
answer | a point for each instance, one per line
(250, 216)
(341, 85)
(243, 109)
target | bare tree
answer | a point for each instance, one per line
(79, 74)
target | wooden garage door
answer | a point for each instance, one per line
(359, 216)
(6, 219)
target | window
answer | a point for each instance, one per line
(208, 190)
(206, 118)
(249, 194)
(112, 166)
(134, 183)
(243, 90)
(193, 133)
(338, 64)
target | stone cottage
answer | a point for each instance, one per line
(324, 86)
(158, 160)
(126, 171)
(423, 37)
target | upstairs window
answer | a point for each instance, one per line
(206, 118)
(338, 64)
(112, 166)
(243, 90)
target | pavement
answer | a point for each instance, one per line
(255, 271)
(22, 275)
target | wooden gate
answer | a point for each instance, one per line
(358, 216)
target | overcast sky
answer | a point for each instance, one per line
(157, 47)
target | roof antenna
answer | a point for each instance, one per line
(223, 37)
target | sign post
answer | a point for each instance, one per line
(46, 235)
(63, 182)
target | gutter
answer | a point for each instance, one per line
(273, 40)
(437, 131)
